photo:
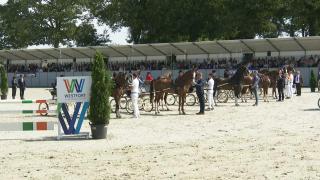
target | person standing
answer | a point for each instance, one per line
(281, 86)
(210, 92)
(290, 84)
(255, 87)
(22, 86)
(286, 87)
(14, 85)
(200, 92)
(298, 81)
(135, 95)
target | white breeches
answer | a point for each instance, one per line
(210, 98)
(135, 107)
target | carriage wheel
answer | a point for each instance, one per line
(129, 107)
(43, 106)
(231, 94)
(113, 105)
(171, 99)
(319, 102)
(140, 103)
(191, 100)
(222, 97)
(147, 106)
(123, 102)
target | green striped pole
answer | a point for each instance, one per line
(27, 126)
(27, 101)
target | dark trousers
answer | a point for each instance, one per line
(255, 93)
(14, 92)
(201, 102)
(281, 94)
(298, 86)
(21, 93)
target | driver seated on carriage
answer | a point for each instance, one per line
(148, 80)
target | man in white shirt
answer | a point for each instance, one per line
(210, 92)
(135, 96)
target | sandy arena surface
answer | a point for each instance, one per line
(276, 140)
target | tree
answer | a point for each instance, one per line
(16, 25)
(99, 112)
(86, 35)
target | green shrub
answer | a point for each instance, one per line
(313, 82)
(99, 112)
(4, 80)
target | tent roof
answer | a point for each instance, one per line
(167, 49)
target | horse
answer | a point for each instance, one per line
(236, 82)
(158, 91)
(264, 84)
(273, 76)
(121, 84)
(166, 85)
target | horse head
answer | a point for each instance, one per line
(238, 77)
(121, 79)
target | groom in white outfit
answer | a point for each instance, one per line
(210, 92)
(135, 96)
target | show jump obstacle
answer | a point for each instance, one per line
(75, 90)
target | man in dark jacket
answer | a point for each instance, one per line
(22, 86)
(14, 84)
(298, 81)
(280, 86)
(200, 92)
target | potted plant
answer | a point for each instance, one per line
(99, 112)
(4, 82)
(313, 82)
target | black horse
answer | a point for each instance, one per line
(234, 83)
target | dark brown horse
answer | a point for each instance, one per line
(120, 85)
(165, 85)
(236, 82)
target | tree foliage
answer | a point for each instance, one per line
(53, 22)
(69, 22)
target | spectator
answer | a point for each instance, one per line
(14, 84)
(22, 86)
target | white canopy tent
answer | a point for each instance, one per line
(274, 45)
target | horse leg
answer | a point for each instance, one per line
(182, 104)
(275, 92)
(117, 107)
(236, 96)
(156, 105)
(267, 94)
(179, 104)
(165, 101)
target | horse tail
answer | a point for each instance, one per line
(151, 91)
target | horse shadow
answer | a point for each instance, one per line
(312, 109)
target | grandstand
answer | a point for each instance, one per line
(165, 53)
